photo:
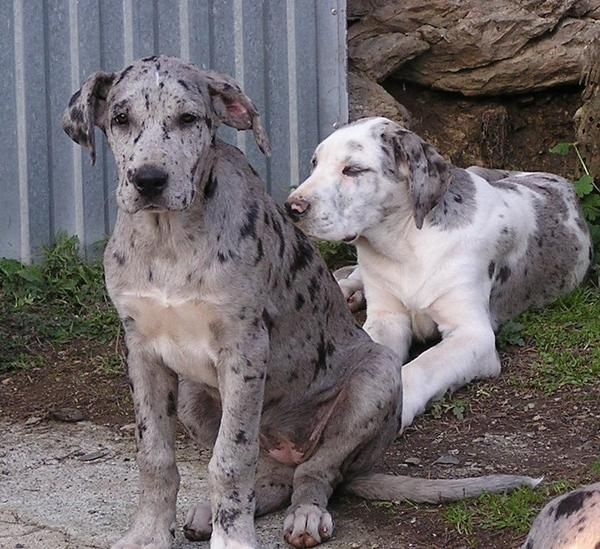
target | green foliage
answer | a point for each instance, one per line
(510, 334)
(567, 338)
(57, 301)
(456, 407)
(336, 254)
(588, 192)
(514, 511)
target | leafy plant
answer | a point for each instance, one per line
(336, 254)
(62, 299)
(587, 190)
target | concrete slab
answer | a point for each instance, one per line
(74, 486)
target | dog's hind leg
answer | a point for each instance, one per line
(273, 491)
(363, 423)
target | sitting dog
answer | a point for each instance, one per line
(441, 250)
(570, 521)
(232, 319)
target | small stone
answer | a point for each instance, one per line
(412, 460)
(67, 415)
(129, 428)
(447, 459)
(537, 418)
(92, 456)
(33, 420)
(6, 381)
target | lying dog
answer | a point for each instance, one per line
(228, 306)
(570, 521)
(441, 250)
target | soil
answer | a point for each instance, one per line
(508, 428)
(510, 132)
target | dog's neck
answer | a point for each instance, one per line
(393, 236)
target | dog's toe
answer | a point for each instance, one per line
(307, 526)
(198, 523)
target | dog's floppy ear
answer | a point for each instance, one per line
(427, 172)
(87, 107)
(235, 108)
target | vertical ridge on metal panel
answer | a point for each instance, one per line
(19, 47)
(10, 205)
(253, 37)
(77, 181)
(276, 82)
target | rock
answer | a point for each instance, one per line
(587, 117)
(367, 98)
(33, 420)
(359, 8)
(67, 415)
(380, 56)
(93, 456)
(412, 460)
(447, 459)
(474, 47)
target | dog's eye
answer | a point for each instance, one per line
(353, 171)
(188, 118)
(313, 161)
(121, 119)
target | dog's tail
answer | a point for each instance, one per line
(421, 490)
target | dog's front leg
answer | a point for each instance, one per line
(232, 468)
(388, 321)
(154, 392)
(467, 351)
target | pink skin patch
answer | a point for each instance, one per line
(287, 452)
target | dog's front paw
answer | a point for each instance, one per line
(218, 541)
(307, 526)
(139, 538)
(198, 523)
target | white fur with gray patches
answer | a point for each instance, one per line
(441, 250)
(569, 521)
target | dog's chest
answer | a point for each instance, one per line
(177, 328)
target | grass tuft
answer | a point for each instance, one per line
(567, 338)
(514, 511)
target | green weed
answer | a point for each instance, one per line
(60, 300)
(514, 511)
(567, 337)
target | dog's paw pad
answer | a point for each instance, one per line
(307, 526)
(198, 523)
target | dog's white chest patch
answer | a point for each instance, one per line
(179, 330)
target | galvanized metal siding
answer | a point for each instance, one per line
(288, 55)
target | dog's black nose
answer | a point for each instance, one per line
(297, 207)
(149, 180)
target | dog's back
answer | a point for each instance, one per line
(556, 255)
(568, 521)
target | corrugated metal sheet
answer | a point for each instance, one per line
(288, 55)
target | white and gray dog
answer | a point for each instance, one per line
(569, 521)
(232, 320)
(441, 250)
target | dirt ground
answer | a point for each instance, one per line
(507, 428)
(514, 132)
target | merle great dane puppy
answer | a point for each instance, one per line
(232, 320)
(441, 250)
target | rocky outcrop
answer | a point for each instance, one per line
(587, 118)
(367, 98)
(473, 47)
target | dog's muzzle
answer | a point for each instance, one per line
(297, 208)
